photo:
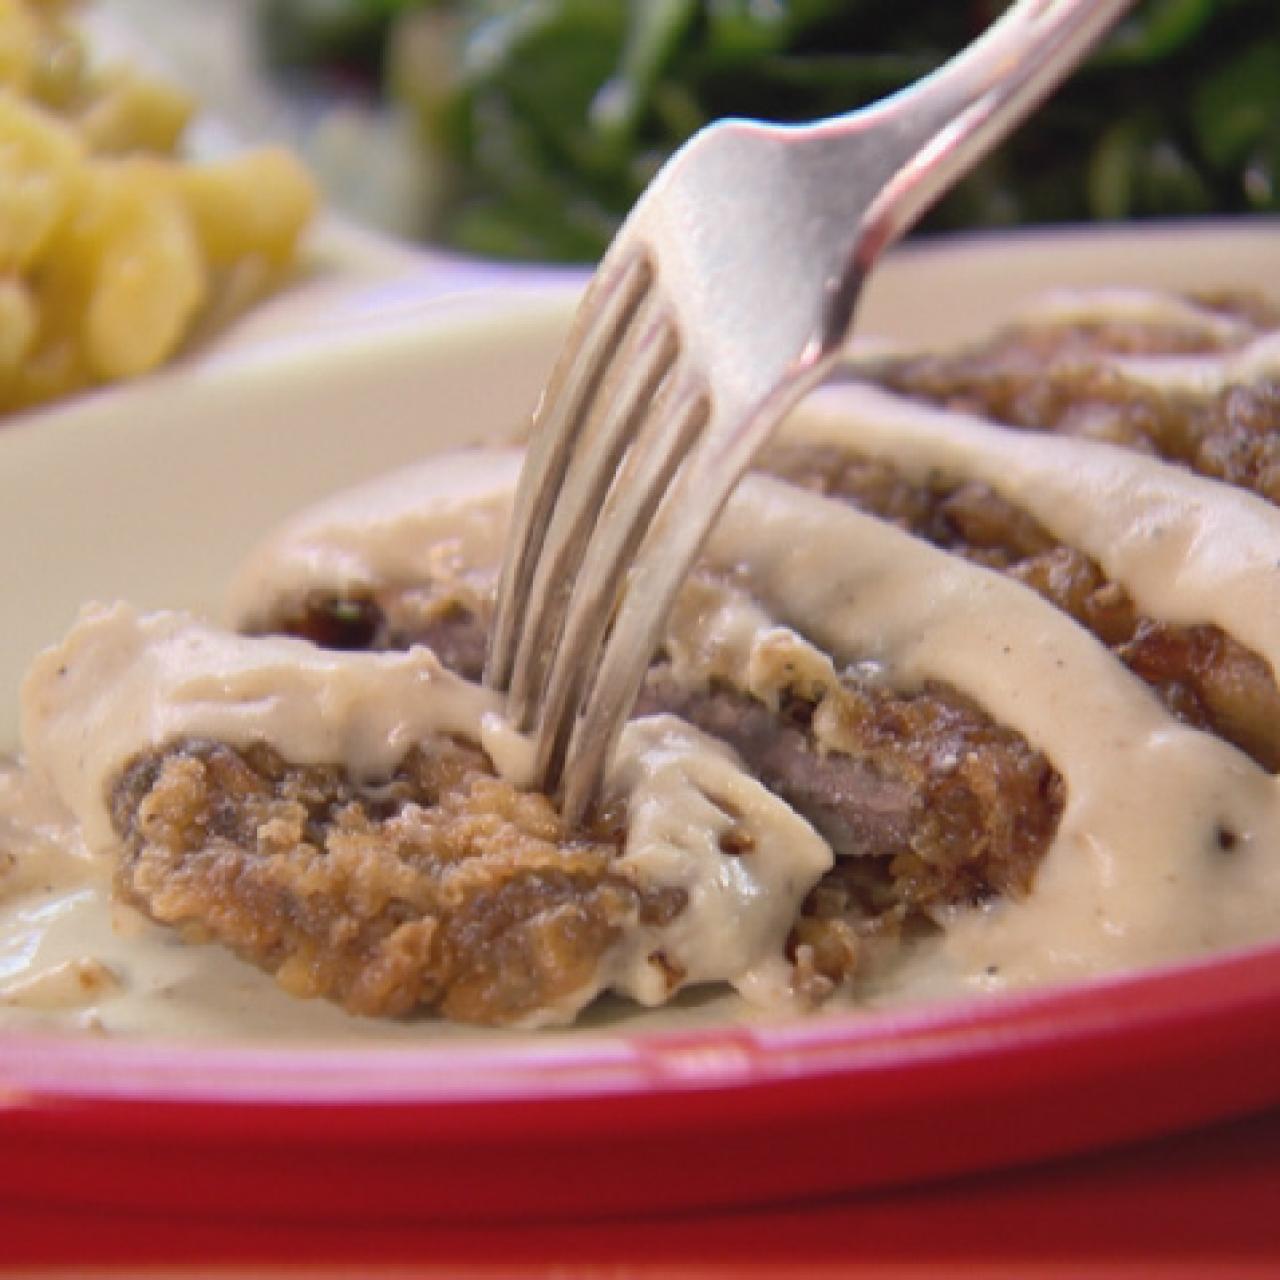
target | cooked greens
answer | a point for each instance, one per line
(548, 117)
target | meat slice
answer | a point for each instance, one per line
(1205, 677)
(441, 887)
(943, 804)
(1056, 377)
(938, 802)
(391, 619)
(857, 809)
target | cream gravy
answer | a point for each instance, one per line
(1136, 875)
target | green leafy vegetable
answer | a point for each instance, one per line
(548, 117)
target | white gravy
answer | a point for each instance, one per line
(1136, 874)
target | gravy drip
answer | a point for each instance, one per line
(1169, 842)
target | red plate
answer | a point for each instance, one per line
(501, 1128)
(637, 1122)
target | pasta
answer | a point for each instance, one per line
(113, 247)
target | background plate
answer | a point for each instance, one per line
(153, 491)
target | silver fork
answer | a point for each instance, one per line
(725, 297)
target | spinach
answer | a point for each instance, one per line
(546, 118)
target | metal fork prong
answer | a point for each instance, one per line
(762, 236)
(636, 370)
(664, 559)
(661, 445)
(605, 312)
(679, 529)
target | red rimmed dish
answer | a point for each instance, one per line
(636, 1122)
(603, 1120)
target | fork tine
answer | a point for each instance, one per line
(667, 553)
(605, 311)
(634, 372)
(621, 547)
(664, 559)
(662, 444)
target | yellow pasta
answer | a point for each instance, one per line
(61, 69)
(141, 265)
(129, 113)
(19, 43)
(17, 326)
(41, 165)
(113, 249)
(250, 204)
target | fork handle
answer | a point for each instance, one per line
(932, 133)
(945, 123)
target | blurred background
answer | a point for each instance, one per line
(526, 130)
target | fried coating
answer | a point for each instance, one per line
(927, 802)
(439, 888)
(1205, 677)
(1054, 377)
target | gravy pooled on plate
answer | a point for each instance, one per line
(973, 688)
